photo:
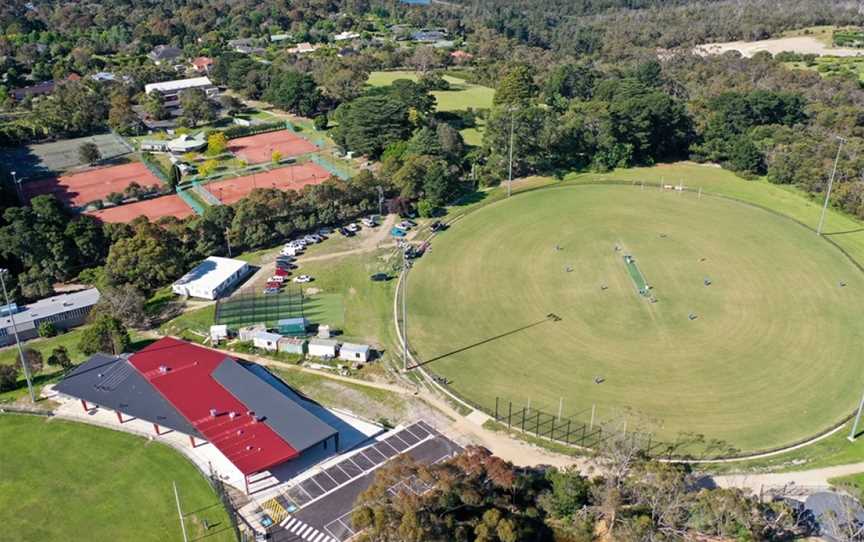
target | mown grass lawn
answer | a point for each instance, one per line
(461, 97)
(732, 374)
(64, 481)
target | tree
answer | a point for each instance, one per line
(107, 334)
(371, 123)
(154, 106)
(217, 143)
(8, 376)
(516, 88)
(60, 358)
(295, 92)
(196, 106)
(207, 167)
(89, 153)
(33, 359)
(35, 284)
(124, 303)
(148, 259)
(231, 104)
(320, 122)
(121, 117)
(433, 81)
(47, 329)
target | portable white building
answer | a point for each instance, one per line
(355, 352)
(212, 278)
(266, 341)
(322, 348)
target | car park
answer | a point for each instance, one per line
(303, 278)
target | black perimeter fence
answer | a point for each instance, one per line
(248, 309)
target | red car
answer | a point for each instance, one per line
(280, 272)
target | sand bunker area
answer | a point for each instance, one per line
(796, 44)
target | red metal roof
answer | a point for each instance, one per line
(187, 384)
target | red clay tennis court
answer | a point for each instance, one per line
(287, 178)
(79, 189)
(152, 208)
(259, 148)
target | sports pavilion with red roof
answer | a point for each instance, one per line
(204, 394)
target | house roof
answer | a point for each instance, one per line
(267, 336)
(202, 62)
(50, 306)
(282, 414)
(351, 347)
(185, 375)
(211, 273)
(112, 382)
(178, 84)
(323, 342)
(165, 52)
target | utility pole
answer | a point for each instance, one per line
(510, 174)
(380, 200)
(17, 339)
(228, 242)
(179, 511)
(830, 184)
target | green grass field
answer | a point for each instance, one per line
(770, 359)
(65, 481)
(461, 96)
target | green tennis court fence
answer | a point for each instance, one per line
(248, 309)
(190, 201)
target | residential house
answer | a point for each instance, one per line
(165, 54)
(202, 64)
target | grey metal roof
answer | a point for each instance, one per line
(283, 414)
(50, 306)
(112, 382)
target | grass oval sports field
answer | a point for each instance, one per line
(771, 357)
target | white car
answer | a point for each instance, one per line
(404, 225)
(276, 278)
(352, 227)
(290, 250)
(368, 222)
(303, 278)
(310, 240)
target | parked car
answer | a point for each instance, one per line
(437, 226)
(397, 232)
(324, 231)
(346, 232)
(303, 278)
(380, 277)
(368, 222)
(352, 227)
(271, 291)
(404, 225)
(276, 278)
(311, 239)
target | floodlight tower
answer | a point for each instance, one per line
(406, 265)
(17, 339)
(511, 109)
(830, 184)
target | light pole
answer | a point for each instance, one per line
(17, 184)
(406, 264)
(380, 200)
(17, 340)
(510, 174)
(830, 184)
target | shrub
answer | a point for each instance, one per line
(47, 329)
(8, 377)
